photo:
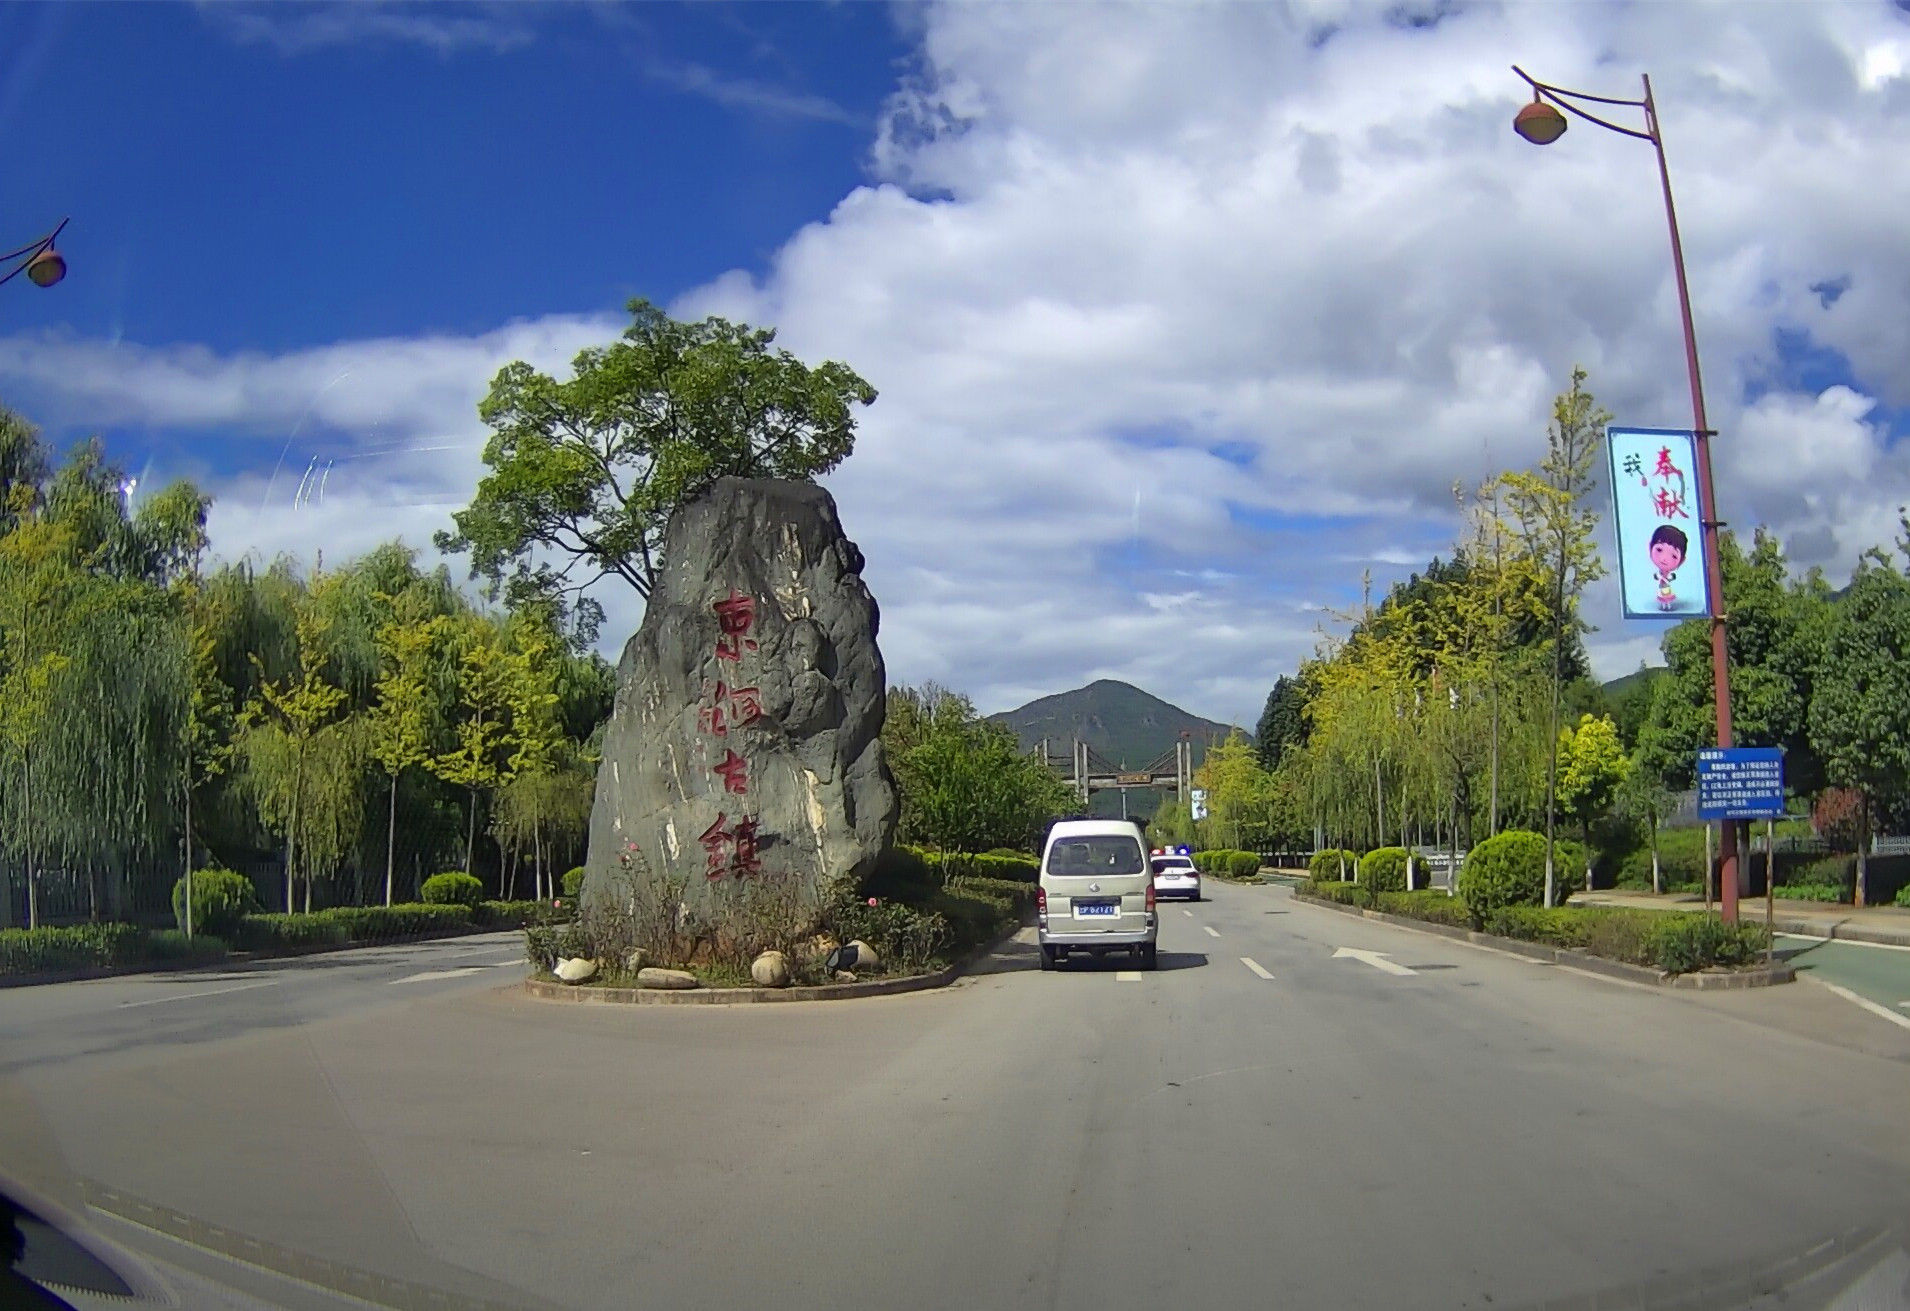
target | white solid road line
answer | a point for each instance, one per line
(1377, 959)
(458, 973)
(1255, 966)
(1212, 932)
(1847, 942)
(1867, 1004)
(1128, 976)
(188, 996)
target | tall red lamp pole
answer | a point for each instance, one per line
(1542, 123)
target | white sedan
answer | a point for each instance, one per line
(1175, 875)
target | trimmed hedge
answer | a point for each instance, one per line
(1810, 892)
(573, 881)
(1227, 864)
(1383, 869)
(1429, 904)
(78, 947)
(452, 889)
(342, 924)
(512, 914)
(1018, 895)
(1677, 942)
(1331, 889)
(988, 865)
(265, 932)
(1903, 895)
(1325, 864)
(220, 899)
(1683, 942)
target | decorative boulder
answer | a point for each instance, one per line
(652, 977)
(770, 970)
(633, 960)
(575, 969)
(743, 760)
(866, 957)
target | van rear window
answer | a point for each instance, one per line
(1089, 856)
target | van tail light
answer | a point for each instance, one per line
(1150, 895)
(1041, 899)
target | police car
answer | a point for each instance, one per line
(1174, 873)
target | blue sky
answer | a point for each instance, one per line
(261, 178)
(1183, 317)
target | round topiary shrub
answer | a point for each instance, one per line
(1326, 864)
(574, 882)
(453, 889)
(1506, 870)
(1383, 869)
(220, 899)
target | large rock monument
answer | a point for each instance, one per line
(745, 743)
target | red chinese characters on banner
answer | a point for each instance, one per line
(1668, 501)
(735, 615)
(730, 707)
(730, 849)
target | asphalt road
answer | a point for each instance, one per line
(1875, 972)
(1261, 1122)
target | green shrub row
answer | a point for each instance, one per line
(78, 947)
(1810, 892)
(1326, 864)
(1331, 889)
(515, 914)
(342, 924)
(1020, 896)
(1903, 895)
(1676, 942)
(1228, 864)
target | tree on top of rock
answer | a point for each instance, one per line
(587, 471)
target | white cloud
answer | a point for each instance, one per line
(293, 27)
(1281, 273)
(747, 93)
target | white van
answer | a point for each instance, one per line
(1096, 892)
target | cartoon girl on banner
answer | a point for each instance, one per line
(1668, 544)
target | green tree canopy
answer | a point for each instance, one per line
(588, 470)
(1860, 708)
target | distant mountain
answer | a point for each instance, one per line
(1124, 726)
(1626, 683)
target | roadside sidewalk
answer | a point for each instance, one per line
(1882, 924)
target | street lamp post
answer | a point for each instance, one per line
(42, 264)
(1541, 123)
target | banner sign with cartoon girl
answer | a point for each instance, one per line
(1659, 522)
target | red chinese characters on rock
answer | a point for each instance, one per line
(730, 846)
(734, 771)
(730, 707)
(730, 849)
(735, 615)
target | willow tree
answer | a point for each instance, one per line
(398, 725)
(480, 760)
(296, 742)
(1549, 507)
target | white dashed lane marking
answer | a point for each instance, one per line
(1212, 932)
(1128, 976)
(1255, 966)
(428, 975)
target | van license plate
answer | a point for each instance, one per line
(1090, 909)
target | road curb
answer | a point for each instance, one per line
(1578, 960)
(1838, 932)
(545, 991)
(233, 959)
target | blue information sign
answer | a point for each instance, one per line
(1741, 783)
